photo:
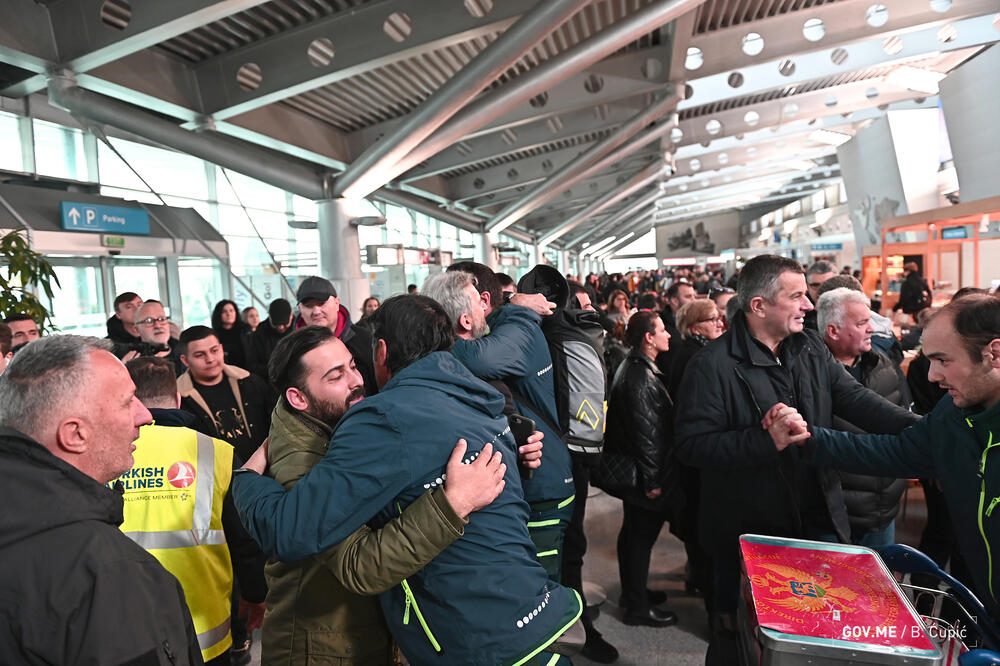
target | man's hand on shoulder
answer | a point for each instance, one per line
(785, 425)
(258, 461)
(472, 487)
(535, 302)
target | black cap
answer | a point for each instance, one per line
(316, 288)
(279, 311)
(548, 282)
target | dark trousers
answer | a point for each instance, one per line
(640, 529)
(575, 541)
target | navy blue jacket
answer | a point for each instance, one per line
(516, 352)
(484, 599)
(960, 448)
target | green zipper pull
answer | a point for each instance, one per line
(406, 613)
(993, 504)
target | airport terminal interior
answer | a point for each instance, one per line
(192, 151)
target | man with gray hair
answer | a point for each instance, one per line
(750, 483)
(457, 293)
(73, 588)
(846, 326)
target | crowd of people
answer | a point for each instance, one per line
(368, 491)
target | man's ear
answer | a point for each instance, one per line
(756, 306)
(184, 360)
(832, 331)
(465, 321)
(178, 401)
(993, 353)
(485, 296)
(297, 399)
(381, 352)
(72, 435)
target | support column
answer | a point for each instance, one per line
(539, 253)
(340, 253)
(487, 255)
(890, 169)
(564, 265)
(971, 108)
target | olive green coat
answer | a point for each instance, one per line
(316, 613)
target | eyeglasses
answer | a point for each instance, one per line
(815, 285)
(149, 321)
(716, 318)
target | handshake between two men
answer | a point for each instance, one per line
(786, 426)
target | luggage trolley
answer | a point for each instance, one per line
(817, 603)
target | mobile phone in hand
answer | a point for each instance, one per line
(521, 427)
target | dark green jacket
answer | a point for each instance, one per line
(315, 611)
(961, 448)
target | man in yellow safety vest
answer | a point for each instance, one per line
(177, 508)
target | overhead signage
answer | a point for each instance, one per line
(113, 241)
(114, 219)
(827, 247)
(951, 233)
(681, 261)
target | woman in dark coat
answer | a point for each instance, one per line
(699, 322)
(232, 332)
(640, 426)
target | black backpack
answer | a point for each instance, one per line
(576, 345)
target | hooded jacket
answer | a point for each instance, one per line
(484, 600)
(960, 448)
(117, 332)
(261, 346)
(516, 352)
(747, 485)
(313, 616)
(70, 581)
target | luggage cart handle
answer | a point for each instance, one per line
(979, 658)
(905, 559)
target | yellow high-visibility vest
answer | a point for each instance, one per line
(173, 509)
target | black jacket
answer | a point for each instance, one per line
(911, 294)
(873, 501)
(640, 425)
(117, 332)
(746, 484)
(73, 588)
(261, 346)
(685, 525)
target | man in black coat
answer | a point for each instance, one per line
(748, 484)
(915, 294)
(268, 334)
(73, 587)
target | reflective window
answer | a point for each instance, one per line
(10, 139)
(77, 306)
(59, 151)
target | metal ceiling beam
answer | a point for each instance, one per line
(640, 206)
(650, 174)
(470, 152)
(842, 23)
(632, 234)
(623, 81)
(539, 79)
(587, 163)
(85, 40)
(365, 174)
(805, 67)
(359, 44)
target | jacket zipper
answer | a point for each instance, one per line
(411, 601)
(982, 499)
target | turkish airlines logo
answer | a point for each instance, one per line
(181, 474)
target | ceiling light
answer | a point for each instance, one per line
(916, 79)
(829, 137)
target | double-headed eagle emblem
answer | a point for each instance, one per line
(797, 590)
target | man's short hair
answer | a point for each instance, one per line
(193, 334)
(831, 307)
(45, 376)
(840, 282)
(125, 297)
(821, 267)
(448, 289)
(504, 280)
(485, 277)
(10, 319)
(648, 301)
(675, 287)
(286, 369)
(154, 379)
(279, 311)
(412, 327)
(759, 277)
(976, 319)
(6, 337)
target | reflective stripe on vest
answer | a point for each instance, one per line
(199, 534)
(207, 639)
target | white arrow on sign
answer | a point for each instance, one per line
(75, 214)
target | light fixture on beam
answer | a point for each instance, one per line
(829, 137)
(916, 79)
